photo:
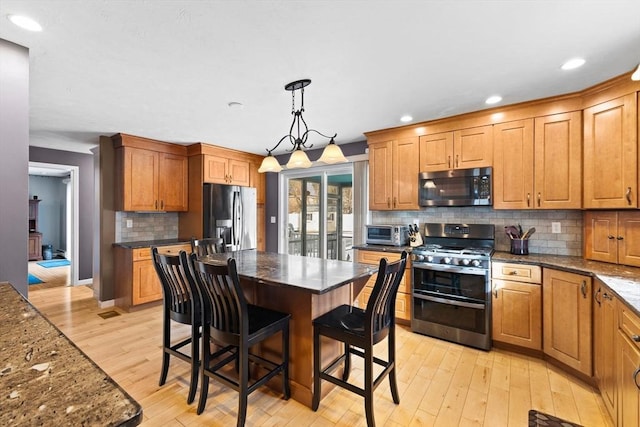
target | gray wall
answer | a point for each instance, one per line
(271, 205)
(52, 209)
(86, 196)
(14, 163)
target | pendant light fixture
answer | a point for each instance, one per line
(299, 159)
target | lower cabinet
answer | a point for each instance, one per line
(605, 327)
(567, 319)
(403, 299)
(35, 247)
(628, 367)
(136, 279)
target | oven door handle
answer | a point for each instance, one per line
(451, 302)
(451, 268)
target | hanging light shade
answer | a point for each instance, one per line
(269, 164)
(299, 159)
(332, 154)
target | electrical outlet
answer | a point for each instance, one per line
(129, 223)
(555, 227)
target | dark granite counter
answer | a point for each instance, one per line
(623, 280)
(46, 380)
(315, 275)
(149, 243)
(384, 248)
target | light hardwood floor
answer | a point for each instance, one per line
(51, 277)
(440, 383)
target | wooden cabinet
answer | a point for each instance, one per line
(612, 236)
(517, 304)
(403, 299)
(611, 154)
(150, 175)
(34, 247)
(221, 170)
(567, 319)
(393, 174)
(628, 368)
(605, 328)
(460, 149)
(537, 163)
(136, 277)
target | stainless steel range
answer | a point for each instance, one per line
(451, 286)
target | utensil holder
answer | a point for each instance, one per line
(520, 247)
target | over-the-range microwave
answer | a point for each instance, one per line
(456, 187)
(389, 235)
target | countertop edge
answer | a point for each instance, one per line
(148, 243)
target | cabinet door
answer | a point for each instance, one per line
(215, 169)
(380, 175)
(436, 152)
(513, 165)
(146, 285)
(558, 161)
(517, 313)
(141, 169)
(611, 154)
(604, 333)
(567, 318)
(173, 182)
(473, 148)
(405, 174)
(629, 238)
(239, 172)
(600, 240)
(628, 393)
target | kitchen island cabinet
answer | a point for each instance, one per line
(459, 149)
(393, 174)
(611, 154)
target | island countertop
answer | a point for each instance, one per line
(315, 275)
(47, 380)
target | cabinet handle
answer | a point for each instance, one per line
(495, 291)
(513, 273)
(161, 204)
(156, 204)
(583, 288)
(457, 162)
(388, 202)
(628, 195)
(449, 162)
(620, 237)
(230, 179)
(607, 296)
(539, 197)
(636, 338)
(528, 199)
(595, 297)
(395, 201)
(635, 377)
(610, 237)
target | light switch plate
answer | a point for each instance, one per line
(273, 220)
(555, 227)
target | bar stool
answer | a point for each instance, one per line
(181, 303)
(213, 245)
(362, 329)
(236, 326)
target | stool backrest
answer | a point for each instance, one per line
(180, 297)
(222, 298)
(213, 245)
(380, 312)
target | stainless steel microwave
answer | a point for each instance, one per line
(457, 187)
(390, 235)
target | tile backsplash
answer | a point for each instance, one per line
(146, 226)
(567, 242)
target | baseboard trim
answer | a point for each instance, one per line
(84, 282)
(105, 304)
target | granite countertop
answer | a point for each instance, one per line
(623, 280)
(315, 275)
(148, 243)
(46, 380)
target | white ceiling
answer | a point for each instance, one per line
(168, 69)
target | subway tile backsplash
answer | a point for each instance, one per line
(567, 242)
(146, 226)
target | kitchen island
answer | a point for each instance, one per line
(47, 380)
(306, 288)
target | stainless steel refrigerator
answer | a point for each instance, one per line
(229, 212)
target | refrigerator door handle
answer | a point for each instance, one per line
(236, 232)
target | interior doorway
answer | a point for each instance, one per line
(68, 175)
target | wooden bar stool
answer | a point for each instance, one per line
(213, 245)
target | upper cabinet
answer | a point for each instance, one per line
(537, 163)
(222, 170)
(460, 149)
(393, 174)
(611, 154)
(150, 175)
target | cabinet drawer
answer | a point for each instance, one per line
(516, 272)
(630, 325)
(140, 254)
(374, 257)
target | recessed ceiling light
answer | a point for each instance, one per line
(406, 118)
(493, 99)
(25, 22)
(573, 64)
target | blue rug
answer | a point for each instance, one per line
(54, 263)
(33, 280)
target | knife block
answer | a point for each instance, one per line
(415, 240)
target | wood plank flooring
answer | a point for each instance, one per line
(51, 277)
(440, 383)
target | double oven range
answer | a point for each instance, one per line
(451, 289)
